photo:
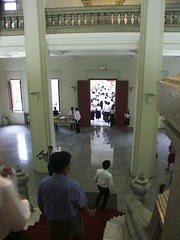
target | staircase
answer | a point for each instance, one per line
(138, 223)
(116, 229)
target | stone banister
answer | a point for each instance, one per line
(96, 19)
(123, 18)
(11, 23)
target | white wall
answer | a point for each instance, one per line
(69, 71)
(81, 68)
(12, 69)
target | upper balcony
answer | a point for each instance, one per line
(89, 19)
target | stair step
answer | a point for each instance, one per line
(113, 233)
(116, 229)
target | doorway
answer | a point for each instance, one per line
(84, 101)
(102, 101)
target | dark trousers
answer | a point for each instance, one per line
(103, 193)
(73, 126)
(66, 230)
(50, 170)
(77, 127)
(112, 120)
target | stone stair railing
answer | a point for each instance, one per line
(138, 223)
(124, 18)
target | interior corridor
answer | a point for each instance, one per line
(88, 150)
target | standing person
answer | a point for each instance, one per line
(112, 115)
(55, 112)
(14, 210)
(71, 114)
(47, 158)
(171, 156)
(92, 112)
(127, 118)
(60, 197)
(77, 117)
(98, 111)
(104, 181)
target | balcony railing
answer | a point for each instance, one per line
(11, 23)
(89, 19)
(93, 19)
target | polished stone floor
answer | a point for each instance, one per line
(88, 150)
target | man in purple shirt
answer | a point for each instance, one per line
(59, 198)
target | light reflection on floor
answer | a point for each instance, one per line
(22, 148)
(100, 152)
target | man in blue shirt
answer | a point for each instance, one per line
(60, 197)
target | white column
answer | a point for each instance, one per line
(41, 121)
(149, 70)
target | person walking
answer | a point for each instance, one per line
(112, 115)
(104, 181)
(60, 197)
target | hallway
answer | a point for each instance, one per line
(88, 150)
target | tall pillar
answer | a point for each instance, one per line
(149, 69)
(41, 121)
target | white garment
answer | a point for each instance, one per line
(77, 116)
(14, 213)
(107, 108)
(98, 108)
(112, 111)
(71, 114)
(127, 115)
(103, 178)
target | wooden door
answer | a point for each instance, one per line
(84, 102)
(121, 101)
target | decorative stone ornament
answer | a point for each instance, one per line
(139, 186)
(22, 180)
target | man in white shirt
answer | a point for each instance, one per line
(14, 212)
(104, 181)
(77, 117)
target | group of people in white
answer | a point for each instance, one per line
(103, 101)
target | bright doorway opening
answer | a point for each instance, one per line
(102, 102)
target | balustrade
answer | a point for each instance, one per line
(88, 19)
(71, 19)
(11, 22)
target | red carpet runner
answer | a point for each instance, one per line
(93, 226)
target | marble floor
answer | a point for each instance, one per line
(88, 150)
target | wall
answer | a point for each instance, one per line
(82, 68)
(69, 71)
(12, 69)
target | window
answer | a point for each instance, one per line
(55, 93)
(15, 95)
(9, 4)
